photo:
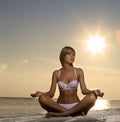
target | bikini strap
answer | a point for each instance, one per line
(75, 73)
(59, 74)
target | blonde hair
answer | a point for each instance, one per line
(66, 50)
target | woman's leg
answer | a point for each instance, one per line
(84, 111)
(49, 105)
(83, 106)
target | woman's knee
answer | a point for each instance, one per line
(92, 98)
(42, 98)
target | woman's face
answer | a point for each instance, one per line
(70, 57)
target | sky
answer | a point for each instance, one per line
(33, 32)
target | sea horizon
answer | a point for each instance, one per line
(53, 97)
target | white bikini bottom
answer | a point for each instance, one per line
(68, 106)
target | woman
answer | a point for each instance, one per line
(67, 77)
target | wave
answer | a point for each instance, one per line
(107, 115)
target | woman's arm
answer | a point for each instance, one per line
(52, 89)
(83, 87)
(81, 79)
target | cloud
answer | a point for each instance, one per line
(25, 61)
(103, 69)
(3, 67)
(43, 59)
(47, 60)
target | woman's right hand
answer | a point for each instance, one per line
(36, 94)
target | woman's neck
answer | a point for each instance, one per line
(67, 67)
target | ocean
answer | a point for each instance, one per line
(29, 110)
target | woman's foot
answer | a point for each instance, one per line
(79, 114)
(63, 114)
(52, 114)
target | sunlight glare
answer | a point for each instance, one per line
(101, 104)
(95, 44)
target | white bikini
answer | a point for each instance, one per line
(72, 85)
(65, 86)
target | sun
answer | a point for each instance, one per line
(95, 44)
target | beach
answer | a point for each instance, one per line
(28, 110)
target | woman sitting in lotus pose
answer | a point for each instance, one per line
(67, 77)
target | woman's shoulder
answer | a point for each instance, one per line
(78, 70)
(56, 72)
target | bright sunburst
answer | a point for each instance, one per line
(95, 44)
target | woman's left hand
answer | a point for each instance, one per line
(98, 93)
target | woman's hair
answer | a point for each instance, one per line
(66, 50)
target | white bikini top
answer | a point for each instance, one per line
(71, 85)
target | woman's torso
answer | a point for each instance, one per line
(68, 83)
(68, 96)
